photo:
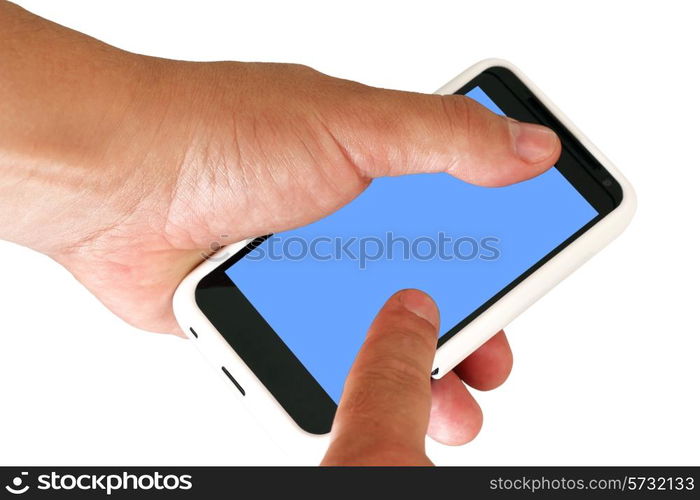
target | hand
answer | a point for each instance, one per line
(389, 402)
(126, 168)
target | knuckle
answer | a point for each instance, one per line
(398, 371)
(301, 69)
(458, 114)
(361, 404)
(468, 122)
(387, 375)
(413, 339)
(411, 333)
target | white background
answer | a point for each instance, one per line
(606, 368)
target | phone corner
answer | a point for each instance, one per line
(493, 62)
(184, 297)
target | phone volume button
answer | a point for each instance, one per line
(235, 382)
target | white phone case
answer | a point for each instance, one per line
(305, 447)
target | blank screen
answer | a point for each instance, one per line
(320, 286)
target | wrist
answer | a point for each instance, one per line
(75, 136)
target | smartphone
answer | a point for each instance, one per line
(282, 319)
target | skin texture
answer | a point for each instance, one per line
(125, 169)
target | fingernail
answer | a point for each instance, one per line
(421, 305)
(533, 143)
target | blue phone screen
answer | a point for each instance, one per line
(320, 286)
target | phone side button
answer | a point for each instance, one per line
(194, 333)
(235, 382)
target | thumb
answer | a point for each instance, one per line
(405, 133)
(383, 414)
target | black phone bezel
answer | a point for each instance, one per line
(276, 366)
